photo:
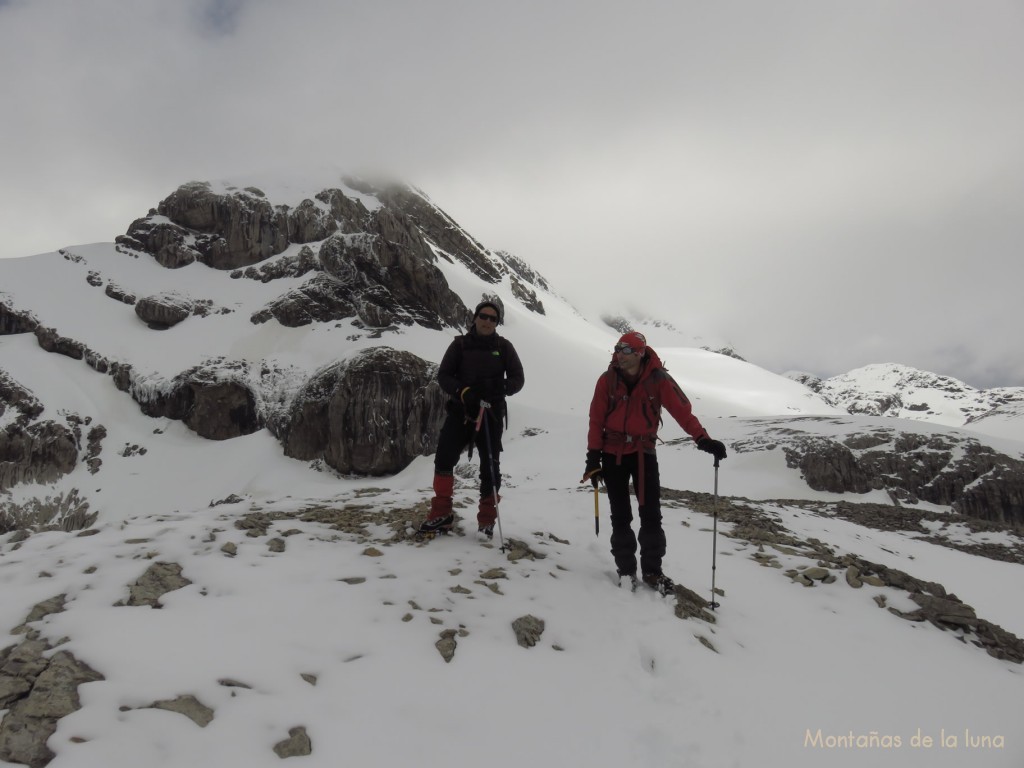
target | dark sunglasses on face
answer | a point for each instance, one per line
(487, 317)
(625, 349)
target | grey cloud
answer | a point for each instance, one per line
(825, 183)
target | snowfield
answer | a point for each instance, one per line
(305, 614)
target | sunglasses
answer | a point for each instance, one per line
(626, 349)
(487, 317)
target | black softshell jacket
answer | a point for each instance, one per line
(488, 363)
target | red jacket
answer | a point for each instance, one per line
(623, 421)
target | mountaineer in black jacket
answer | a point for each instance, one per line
(479, 366)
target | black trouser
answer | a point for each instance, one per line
(457, 434)
(652, 536)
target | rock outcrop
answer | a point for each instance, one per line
(161, 311)
(51, 340)
(213, 401)
(437, 227)
(947, 469)
(369, 415)
(13, 321)
(14, 396)
(380, 281)
(224, 231)
(36, 690)
(39, 452)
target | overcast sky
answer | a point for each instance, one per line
(824, 184)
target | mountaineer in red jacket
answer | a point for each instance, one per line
(624, 418)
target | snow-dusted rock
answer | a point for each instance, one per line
(52, 340)
(163, 310)
(234, 229)
(38, 453)
(214, 401)
(947, 468)
(36, 690)
(371, 415)
(15, 321)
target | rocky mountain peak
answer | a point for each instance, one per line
(373, 259)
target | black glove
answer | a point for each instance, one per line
(593, 470)
(470, 398)
(715, 447)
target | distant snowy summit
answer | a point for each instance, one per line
(900, 391)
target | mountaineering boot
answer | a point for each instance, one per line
(441, 524)
(659, 581)
(487, 514)
(630, 579)
(441, 517)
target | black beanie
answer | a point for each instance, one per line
(490, 304)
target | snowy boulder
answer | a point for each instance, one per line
(163, 310)
(370, 415)
(212, 401)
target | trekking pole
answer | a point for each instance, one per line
(490, 460)
(597, 516)
(714, 542)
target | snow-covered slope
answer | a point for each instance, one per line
(303, 610)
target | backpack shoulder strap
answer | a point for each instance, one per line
(651, 386)
(612, 378)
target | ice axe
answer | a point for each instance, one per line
(597, 509)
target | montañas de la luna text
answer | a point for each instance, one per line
(965, 739)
